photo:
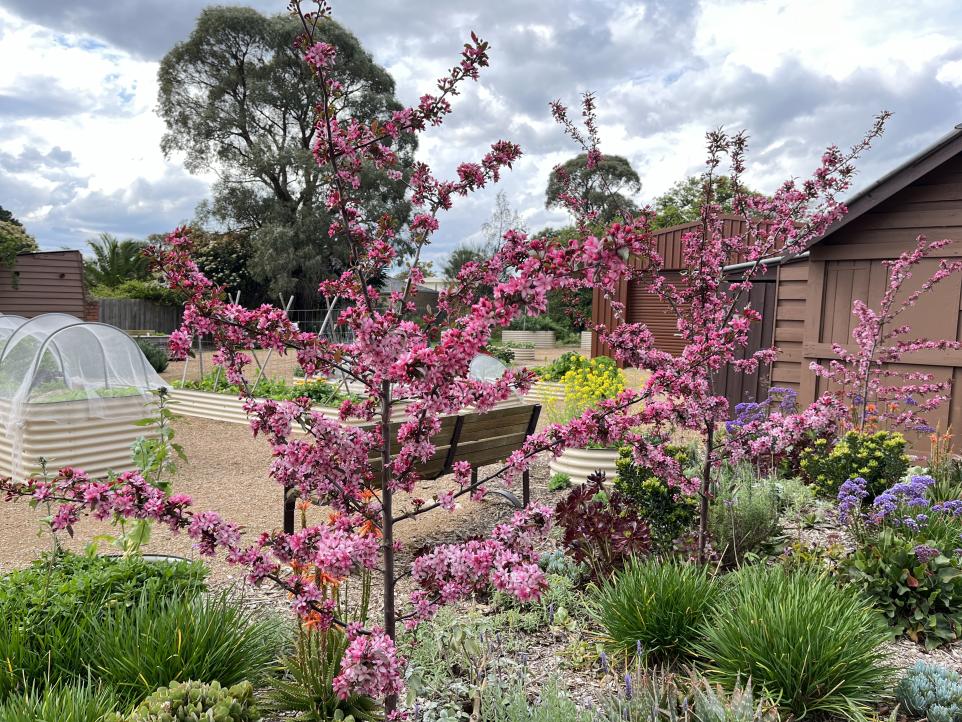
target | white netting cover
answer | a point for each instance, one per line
(55, 359)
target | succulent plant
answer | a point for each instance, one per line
(930, 691)
(198, 702)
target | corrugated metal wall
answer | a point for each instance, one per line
(644, 307)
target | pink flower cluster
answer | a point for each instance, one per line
(507, 560)
(370, 666)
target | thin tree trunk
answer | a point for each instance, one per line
(704, 491)
(387, 523)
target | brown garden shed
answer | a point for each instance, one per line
(814, 298)
(806, 302)
(43, 282)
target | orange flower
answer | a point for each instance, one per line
(303, 504)
(328, 581)
(368, 527)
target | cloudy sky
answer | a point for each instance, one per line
(79, 139)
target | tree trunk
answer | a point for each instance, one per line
(387, 522)
(704, 492)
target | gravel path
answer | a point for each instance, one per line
(227, 471)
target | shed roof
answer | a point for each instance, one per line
(924, 162)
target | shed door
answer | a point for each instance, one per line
(646, 307)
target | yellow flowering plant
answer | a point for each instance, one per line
(585, 386)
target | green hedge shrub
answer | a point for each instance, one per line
(878, 457)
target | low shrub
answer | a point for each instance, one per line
(601, 528)
(507, 701)
(306, 681)
(206, 638)
(60, 703)
(670, 514)
(655, 608)
(556, 370)
(157, 356)
(558, 482)
(930, 691)
(812, 646)
(651, 696)
(878, 457)
(198, 702)
(907, 557)
(743, 516)
(318, 391)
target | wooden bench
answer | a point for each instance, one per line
(478, 439)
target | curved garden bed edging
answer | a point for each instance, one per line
(545, 391)
(578, 464)
(218, 407)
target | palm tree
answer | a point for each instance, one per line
(115, 261)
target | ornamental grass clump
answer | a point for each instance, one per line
(158, 641)
(60, 703)
(931, 691)
(815, 648)
(655, 609)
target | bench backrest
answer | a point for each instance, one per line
(476, 438)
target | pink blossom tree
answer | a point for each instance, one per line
(413, 366)
(711, 314)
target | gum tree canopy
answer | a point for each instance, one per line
(238, 99)
(605, 188)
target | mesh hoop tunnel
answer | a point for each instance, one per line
(55, 366)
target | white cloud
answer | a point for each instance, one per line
(797, 75)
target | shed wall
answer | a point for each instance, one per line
(848, 265)
(47, 282)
